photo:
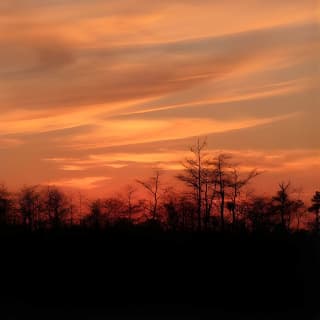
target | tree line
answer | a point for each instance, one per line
(215, 197)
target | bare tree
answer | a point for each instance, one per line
(29, 206)
(153, 188)
(283, 204)
(210, 190)
(171, 208)
(71, 209)
(236, 184)
(196, 175)
(222, 171)
(131, 206)
(299, 208)
(57, 206)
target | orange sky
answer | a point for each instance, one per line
(94, 93)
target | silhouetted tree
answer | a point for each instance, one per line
(56, 205)
(5, 205)
(153, 188)
(260, 214)
(210, 191)
(284, 205)
(236, 184)
(187, 209)
(222, 170)
(172, 215)
(29, 206)
(299, 208)
(113, 209)
(131, 206)
(95, 215)
(197, 175)
(315, 208)
(71, 210)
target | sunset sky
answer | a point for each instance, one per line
(96, 93)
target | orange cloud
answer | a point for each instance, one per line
(124, 132)
(111, 88)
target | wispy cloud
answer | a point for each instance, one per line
(107, 86)
(82, 183)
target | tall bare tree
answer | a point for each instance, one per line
(131, 205)
(222, 170)
(196, 175)
(283, 204)
(236, 184)
(153, 188)
(210, 190)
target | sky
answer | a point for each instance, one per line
(94, 93)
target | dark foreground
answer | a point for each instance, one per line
(78, 274)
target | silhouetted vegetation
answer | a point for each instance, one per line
(214, 243)
(214, 198)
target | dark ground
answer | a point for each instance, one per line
(141, 274)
